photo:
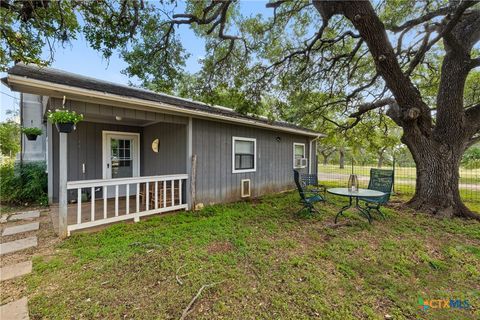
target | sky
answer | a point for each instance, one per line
(78, 57)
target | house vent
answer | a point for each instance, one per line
(245, 188)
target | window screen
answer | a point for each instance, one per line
(244, 154)
(298, 155)
(299, 151)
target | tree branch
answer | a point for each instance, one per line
(472, 115)
(474, 63)
(365, 107)
(427, 17)
(473, 141)
(415, 112)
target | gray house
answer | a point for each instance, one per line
(139, 152)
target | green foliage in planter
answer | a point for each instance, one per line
(64, 116)
(23, 184)
(32, 131)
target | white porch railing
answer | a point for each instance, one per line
(151, 195)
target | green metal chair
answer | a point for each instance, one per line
(307, 198)
(311, 180)
(380, 180)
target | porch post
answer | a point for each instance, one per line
(62, 186)
(189, 164)
(310, 156)
(49, 141)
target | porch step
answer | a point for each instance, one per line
(16, 310)
(21, 228)
(15, 270)
(28, 215)
(17, 245)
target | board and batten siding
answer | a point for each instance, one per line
(212, 143)
(85, 147)
(85, 143)
(172, 150)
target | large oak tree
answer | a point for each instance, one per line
(410, 60)
(385, 55)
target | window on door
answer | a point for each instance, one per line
(121, 157)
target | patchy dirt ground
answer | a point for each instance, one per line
(266, 263)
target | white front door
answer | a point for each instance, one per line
(121, 157)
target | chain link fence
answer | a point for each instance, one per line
(333, 174)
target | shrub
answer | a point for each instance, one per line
(23, 184)
(9, 138)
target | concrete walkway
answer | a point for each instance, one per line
(21, 228)
(15, 270)
(18, 309)
(17, 245)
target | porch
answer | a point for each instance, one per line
(91, 206)
(117, 165)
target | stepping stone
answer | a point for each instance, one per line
(17, 245)
(15, 270)
(16, 310)
(28, 215)
(21, 228)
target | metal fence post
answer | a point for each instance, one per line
(393, 184)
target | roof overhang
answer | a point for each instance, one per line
(46, 88)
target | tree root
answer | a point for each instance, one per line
(188, 308)
(442, 210)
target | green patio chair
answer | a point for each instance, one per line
(311, 180)
(307, 198)
(380, 180)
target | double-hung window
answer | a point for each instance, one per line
(299, 156)
(244, 154)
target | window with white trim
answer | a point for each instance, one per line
(244, 154)
(299, 156)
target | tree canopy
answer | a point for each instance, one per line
(343, 62)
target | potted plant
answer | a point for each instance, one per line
(65, 120)
(32, 133)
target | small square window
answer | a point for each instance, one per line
(244, 155)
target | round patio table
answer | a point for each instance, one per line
(360, 193)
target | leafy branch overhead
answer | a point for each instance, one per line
(317, 62)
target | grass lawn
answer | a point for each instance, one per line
(267, 263)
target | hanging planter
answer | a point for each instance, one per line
(66, 127)
(32, 133)
(65, 120)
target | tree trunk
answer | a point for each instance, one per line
(342, 158)
(436, 146)
(380, 160)
(437, 190)
(325, 160)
